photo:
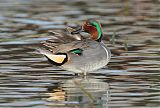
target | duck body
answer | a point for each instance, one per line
(79, 56)
(94, 57)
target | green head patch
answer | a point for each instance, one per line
(98, 27)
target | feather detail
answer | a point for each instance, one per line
(56, 58)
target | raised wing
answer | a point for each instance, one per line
(58, 38)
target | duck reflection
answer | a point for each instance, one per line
(80, 91)
(57, 95)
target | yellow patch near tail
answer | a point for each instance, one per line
(56, 58)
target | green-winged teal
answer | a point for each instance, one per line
(78, 55)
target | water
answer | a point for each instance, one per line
(131, 80)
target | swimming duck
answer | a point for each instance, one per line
(79, 55)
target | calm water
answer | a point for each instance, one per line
(131, 80)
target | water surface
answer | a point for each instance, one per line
(131, 79)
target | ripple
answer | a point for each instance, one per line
(130, 80)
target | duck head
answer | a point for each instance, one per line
(92, 27)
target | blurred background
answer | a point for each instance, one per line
(131, 30)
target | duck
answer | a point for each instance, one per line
(76, 53)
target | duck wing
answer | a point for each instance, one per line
(60, 38)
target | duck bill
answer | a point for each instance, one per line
(78, 30)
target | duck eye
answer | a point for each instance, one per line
(77, 51)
